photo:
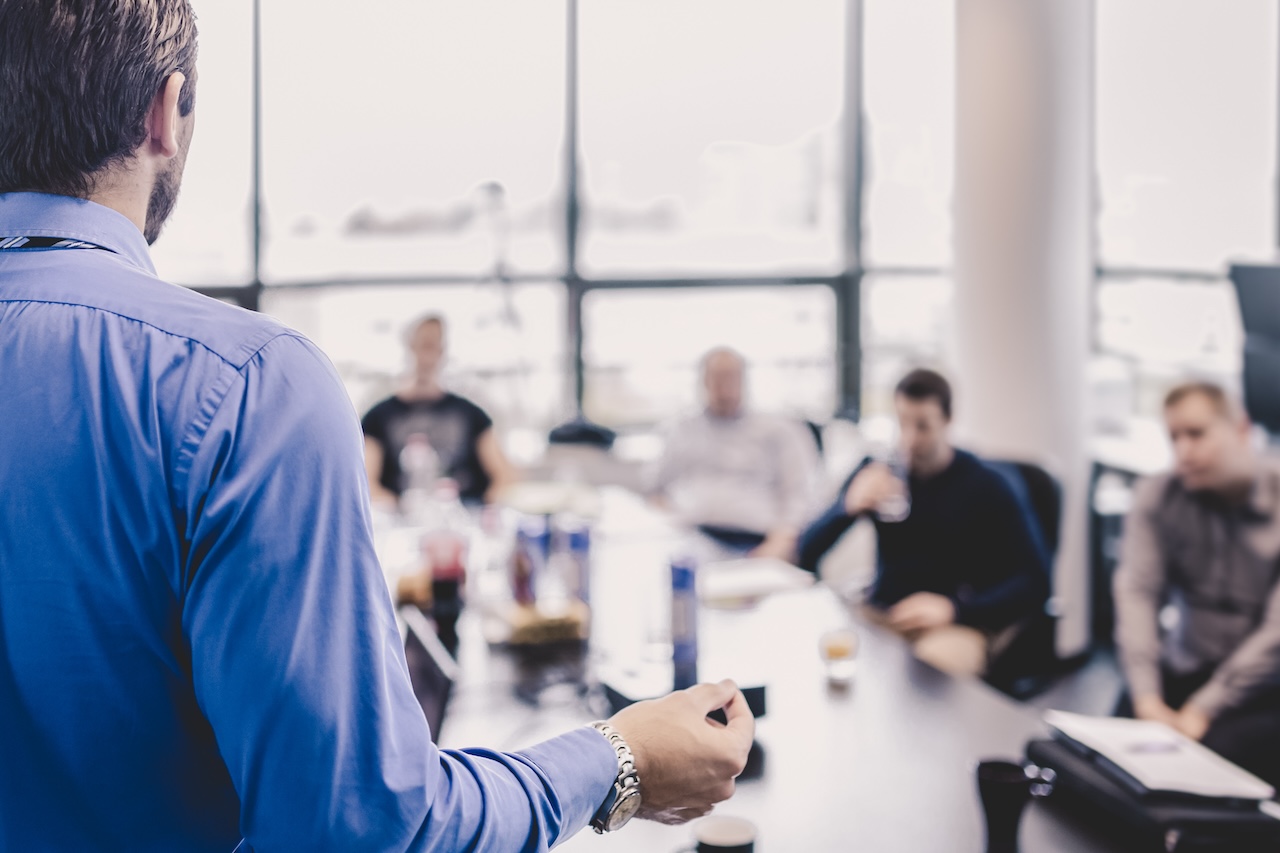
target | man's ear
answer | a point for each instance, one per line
(163, 118)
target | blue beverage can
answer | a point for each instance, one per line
(684, 622)
(577, 542)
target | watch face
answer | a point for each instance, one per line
(623, 810)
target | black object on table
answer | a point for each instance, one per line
(1169, 824)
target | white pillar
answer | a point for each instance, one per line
(1024, 258)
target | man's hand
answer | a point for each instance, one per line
(686, 762)
(920, 612)
(1192, 722)
(779, 544)
(1153, 708)
(874, 485)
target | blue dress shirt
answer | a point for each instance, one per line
(197, 647)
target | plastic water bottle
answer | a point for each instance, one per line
(897, 507)
(573, 538)
(445, 546)
(684, 622)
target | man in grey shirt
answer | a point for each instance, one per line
(744, 478)
(1197, 603)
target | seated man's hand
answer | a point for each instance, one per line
(780, 544)
(1153, 708)
(874, 485)
(920, 612)
(686, 762)
(1192, 722)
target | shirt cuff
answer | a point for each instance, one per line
(582, 768)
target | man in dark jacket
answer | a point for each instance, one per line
(960, 558)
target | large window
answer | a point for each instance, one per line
(412, 138)
(208, 240)
(909, 135)
(711, 136)
(1186, 163)
(592, 193)
(909, 106)
(643, 348)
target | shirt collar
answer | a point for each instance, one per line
(43, 215)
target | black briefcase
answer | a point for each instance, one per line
(1151, 823)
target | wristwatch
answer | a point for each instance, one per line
(624, 797)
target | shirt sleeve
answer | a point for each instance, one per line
(823, 533)
(1018, 562)
(1255, 664)
(374, 423)
(296, 660)
(662, 474)
(480, 420)
(1138, 589)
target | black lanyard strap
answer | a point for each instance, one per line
(11, 243)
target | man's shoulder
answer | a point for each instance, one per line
(233, 333)
(997, 479)
(994, 473)
(462, 404)
(116, 289)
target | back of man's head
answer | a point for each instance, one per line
(921, 384)
(77, 78)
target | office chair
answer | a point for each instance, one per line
(1029, 663)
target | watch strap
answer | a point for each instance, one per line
(626, 785)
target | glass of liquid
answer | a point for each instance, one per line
(897, 505)
(838, 649)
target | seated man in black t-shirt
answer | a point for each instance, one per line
(457, 430)
(966, 563)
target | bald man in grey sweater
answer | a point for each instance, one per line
(1197, 598)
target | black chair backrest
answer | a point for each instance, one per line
(1258, 292)
(1043, 495)
(581, 431)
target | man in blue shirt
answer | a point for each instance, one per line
(197, 649)
(960, 561)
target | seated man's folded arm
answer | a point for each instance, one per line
(1253, 666)
(823, 532)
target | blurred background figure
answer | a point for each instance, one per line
(743, 478)
(960, 564)
(1197, 602)
(424, 431)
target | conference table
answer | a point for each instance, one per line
(884, 765)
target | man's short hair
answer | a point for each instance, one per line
(77, 78)
(921, 384)
(1223, 403)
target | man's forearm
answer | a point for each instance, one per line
(1254, 665)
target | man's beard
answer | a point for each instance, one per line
(164, 195)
